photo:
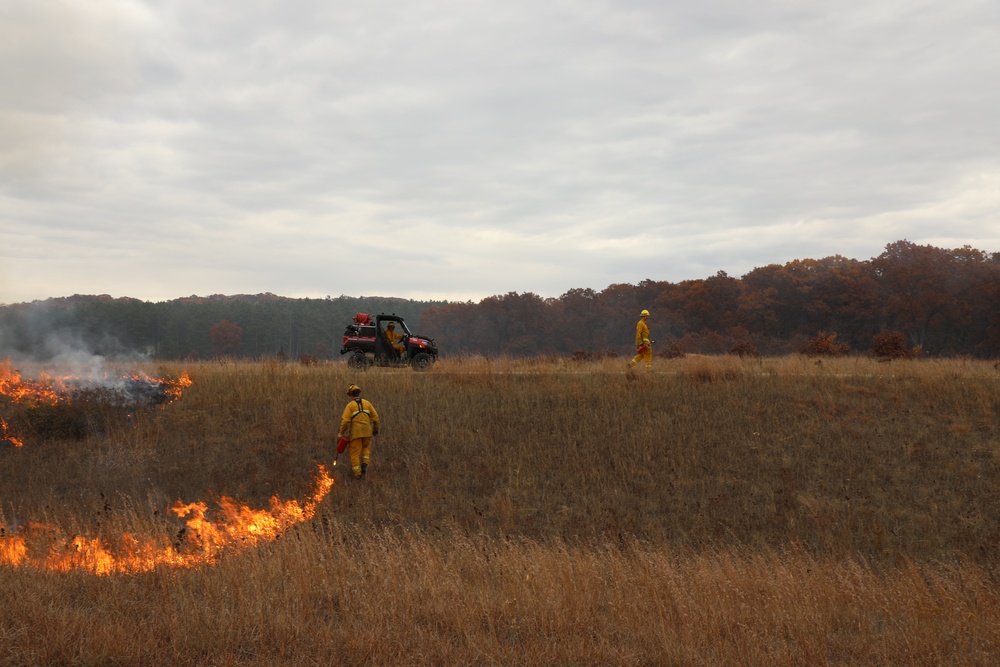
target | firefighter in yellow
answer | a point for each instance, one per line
(359, 423)
(644, 346)
(394, 338)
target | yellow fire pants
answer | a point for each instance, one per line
(361, 449)
(646, 355)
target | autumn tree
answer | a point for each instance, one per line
(227, 338)
(584, 322)
(703, 305)
(935, 295)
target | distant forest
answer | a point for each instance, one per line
(246, 326)
(938, 302)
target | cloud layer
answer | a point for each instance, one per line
(456, 150)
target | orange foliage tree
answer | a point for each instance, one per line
(227, 338)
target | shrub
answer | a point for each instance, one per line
(890, 344)
(825, 344)
(671, 351)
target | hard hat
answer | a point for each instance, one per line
(644, 313)
(391, 325)
(353, 390)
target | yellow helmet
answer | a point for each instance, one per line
(391, 325)
(354, 390)
(644, 313)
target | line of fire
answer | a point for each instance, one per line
(201, 541)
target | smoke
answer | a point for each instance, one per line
(41, 337)
(56, 354)
(73, 355)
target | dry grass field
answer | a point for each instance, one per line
(716, 511)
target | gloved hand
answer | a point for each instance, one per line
(374, 431)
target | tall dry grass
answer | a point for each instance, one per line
(345, 595)
(715, 511)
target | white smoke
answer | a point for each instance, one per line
(41, 340)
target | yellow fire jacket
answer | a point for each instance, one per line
(394, 339)
(360, 420)
(641, 333)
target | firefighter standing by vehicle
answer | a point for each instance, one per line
(360, 424)
(644, 346)
(394, 338)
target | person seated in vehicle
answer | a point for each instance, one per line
(395, 338)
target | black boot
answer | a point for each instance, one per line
(364, 469)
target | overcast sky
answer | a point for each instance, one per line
(456, 149)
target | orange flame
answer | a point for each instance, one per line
(13, 550)
(175, 388)
(5, 434)
(238, 527)
(45, 390)
(52, 390)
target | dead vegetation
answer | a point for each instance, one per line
(720, 510)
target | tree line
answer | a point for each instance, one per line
(942, 302)
(251, 326)
(935, 301)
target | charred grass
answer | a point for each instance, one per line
(716, 511)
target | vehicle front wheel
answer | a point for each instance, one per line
(422, 361)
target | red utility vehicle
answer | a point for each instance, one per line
(366, 341)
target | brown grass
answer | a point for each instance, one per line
(715, 511)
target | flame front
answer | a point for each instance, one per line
(44, 390)
(176, 388)
(53, 390)
(136, 389)
(238, 527)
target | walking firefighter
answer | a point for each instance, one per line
(644, 346)
(358, 424)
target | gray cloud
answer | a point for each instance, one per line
(462, 149)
